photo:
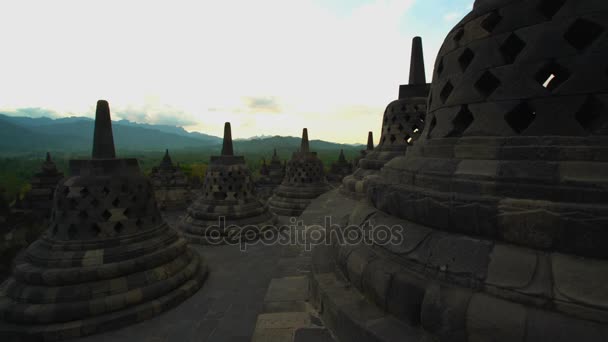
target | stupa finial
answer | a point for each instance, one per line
(227, 146)
(103, 140)
(370, 141)
(305, 147)
(417, 72)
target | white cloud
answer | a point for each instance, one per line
(193, 56)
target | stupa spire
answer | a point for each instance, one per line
(341, 157)
(417, 73)
(227, 147)
(103, 140)
(370, 141)
(305, 147)
(48, 157)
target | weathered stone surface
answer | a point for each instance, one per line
(271, 176)
(493, 319)
(304, 181)
(39, 200)
(402, 125)
(228, 208)
(108, 259)
(504, 194)
(171, 187)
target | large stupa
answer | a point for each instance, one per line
(228, 205)
(107, 260)
(503, 200)
(304, 181)
(402, 125)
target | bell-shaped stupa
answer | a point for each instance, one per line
(339, 169)
(402, 125)
(504, 198)
(304, 181)
(39, 199)
(228, 203)
(171, 186)
(108, 259)
(271, 176)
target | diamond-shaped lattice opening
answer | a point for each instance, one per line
(592, 115)
(552, 75)
(446, 91)
(400, 128)
(459, 34)
(105, 191)
(440, 67)
(84, 192)
(550, 7)
(521, 117)
(461, 122)
(511, 48)
(491, 21)
(95, 228)
(139, 222)
(415, 129)
(408, 139)
(487, 84)
(465, 59)
(116, 202)
(118, 227)
(393, 138)
(106, 215)
(432, 126)
(583, 33)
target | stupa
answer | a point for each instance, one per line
(271, 176)
(504, 198)
(40, 197)
(108, 259)
(402, 124)
(304, 181)
(171, 186)
(339, 169)
(228, 203)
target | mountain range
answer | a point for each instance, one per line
(75, 134)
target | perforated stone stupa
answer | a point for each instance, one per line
(108, 259)
(402, 124)
(171, 186)
(40, 197)
(339, 169)
(271, 176)
(504, 198)
(304, 180)
(228, 202)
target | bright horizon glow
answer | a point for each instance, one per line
(270, 67)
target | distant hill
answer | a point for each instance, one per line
(75, 134)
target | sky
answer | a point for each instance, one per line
(270, 67)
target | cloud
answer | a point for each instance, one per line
(165, 115)
(35, 112)
(262, 104)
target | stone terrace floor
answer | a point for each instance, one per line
(227, 306)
